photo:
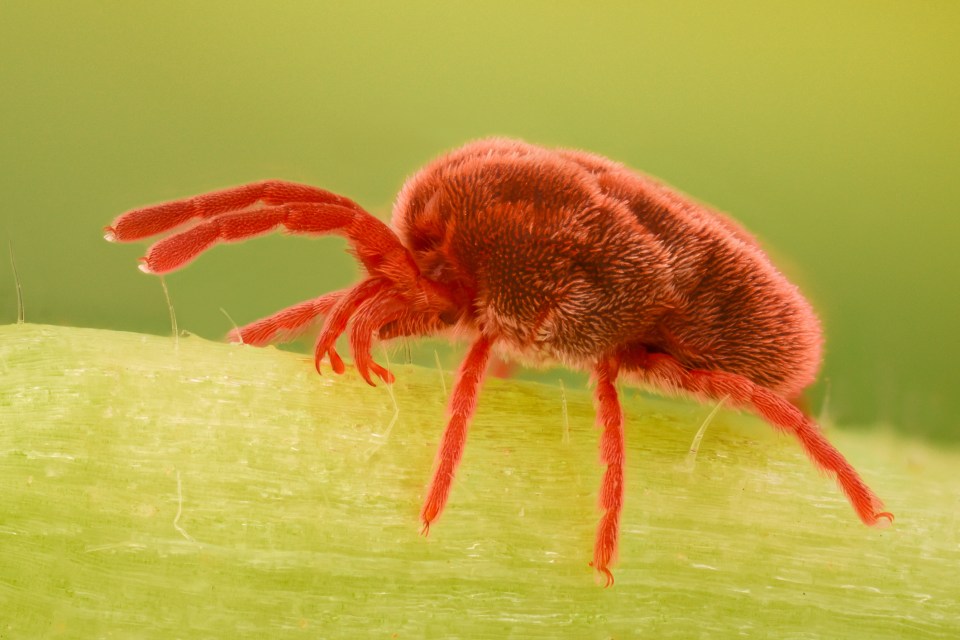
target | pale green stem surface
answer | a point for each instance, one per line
(208, 490)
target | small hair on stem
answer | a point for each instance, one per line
(691, 460)
(16, 280)
(173, 315)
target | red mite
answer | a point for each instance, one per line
(549, 255)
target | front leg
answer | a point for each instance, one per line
(610, 418)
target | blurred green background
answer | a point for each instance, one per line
(830, 129)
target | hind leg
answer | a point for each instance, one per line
(667, 373)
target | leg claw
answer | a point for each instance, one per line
(608, 576)
(885, 515)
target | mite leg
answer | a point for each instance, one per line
(666, 372)
(411, 323)
(372, 241)
(610, 418)
(462, 404)
(338, 318)
(370, 316)
(149, 221)
(287, 324)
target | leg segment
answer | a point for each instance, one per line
(666, 372)
(372, 241)
(287, 324)
(372, 314)
(462, 404)
(610, 418)
(410, 323)
(149, 221)
(338, 318)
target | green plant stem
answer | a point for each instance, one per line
(198, 489)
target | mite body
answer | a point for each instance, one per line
(546, 255)
(565, 255)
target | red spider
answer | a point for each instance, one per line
(549, 255)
